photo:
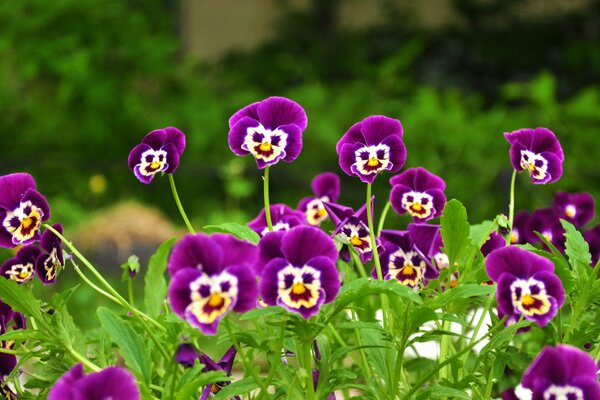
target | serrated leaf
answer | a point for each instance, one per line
(502, 337)
(577, 249)
(436, 391)
(130, 344)
(456, 232)
(20, 299)
(237, 230)
(460, 292)
(155, 290)
(480, 233)
(261, 313)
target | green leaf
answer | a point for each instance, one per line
(155, 291)
(502, 337)
(456, 232)
(240, 231)
(63, 322)
(240, 387)
(577, 249)
(130, 344)
(261, 313)
(480, 233)
(131, 266)
(460, 292)
(21, 299)
(436, 391)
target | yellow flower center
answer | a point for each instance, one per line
(528, 300)
(373, 162)
(265, 146)
(570, 211)
(26, 222)
(355, 240)
(417, 206)
(514, 238)
(321, 213)
(215, 300)
(298, 288)
(155, 165)
(408, 270)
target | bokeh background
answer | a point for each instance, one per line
(81, 82)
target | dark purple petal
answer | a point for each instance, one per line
(377, 128)
(135, 156)
(563, 365)
(248, 111)
(352, 137)
(180, 295)
(546, 222)
(337, 212)
(146, 179)
(114, 383)
(282, 217)
(49, 241)
(509, 394)
(330, 277)
(503, 297)
(247, 287)
(21, 268)
(274, 112)
(304, 243)
(172, 157)
(327, 185)
(553, 286)
(269, 249)
(592, 236)
(426, 238)
(554, 169)
(238, 132)
(348, 157)
(577, 208)
(294, 142)
(13, 187)
(226, 362)
(395, 238)
(155, 139)
(186, 355)
(196, 251)
(495, 241)
(8, 362)
(269, 282)
(38, 200)
(63, 389)
(235, 251)
(177, 138)
(397, 152)
(418, 179)
(520, 227)
(303, 204)
(209, 363)
(515, 261)
(5, 236)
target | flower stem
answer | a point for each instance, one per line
(266, 198)
(305, 359)
(179, 206)
(130, 291)
(383, 217)
(511, 204)
(357, 262)
(136, 313)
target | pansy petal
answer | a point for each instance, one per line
(175, 137)
(518, 262)
(248, 111)
(555, 169)
(8, 362)
(553, 286)
(424, 237)
(13, 187)
(326, 184)
(276, 111)
(237, 134)
(247, 287)
(113, 383)
(330, 277)
(135, 156)
(352, 137)
(269, 280)
(235, 251)
(378, 127)
(180, 294)
(294, 142)
(337, 212)
(397, 152)
(269, 248)
(155, 139)
(38, 200)
(304, 243)
(172, 157)
(348, 157)
(62, 389)
(196, 251)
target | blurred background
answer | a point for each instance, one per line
(82, 82)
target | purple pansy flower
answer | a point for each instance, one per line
(306, 276)
(21, 268)
(592, 237)
(371, 146)
(270, 130)
(51, 260)
(546, 222)
(562, 372)
(22, 210)
(186, 355)
(211, 275)
(113, 383)
(527, 285)
(352, 228)
(225, 364)
(577, 208)
(518, 234)
(326, 187)
(427, 239)
(159, 151)
(418, 192)
(538, 151)
(283, 218)
(315, 376)
(403, 260)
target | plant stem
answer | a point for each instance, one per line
(83, 360)
(356, 259)
(445, 349)
(179, 206)
(266, 198)
(305, 359)
(511, 204)
(383, 217)
(130, 291)
(136, 313)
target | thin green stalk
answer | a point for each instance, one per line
(383, 217)
(179, 206)
(359, 265)
(136, 313)
(8, 351)
(445, 343)
(484, 312)
(366, 366)
(130, 291)
(511, 205)
(398, 370)
(372, 233)
(266, 198)
(278, 347)
(305, 359)
(90, 365)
